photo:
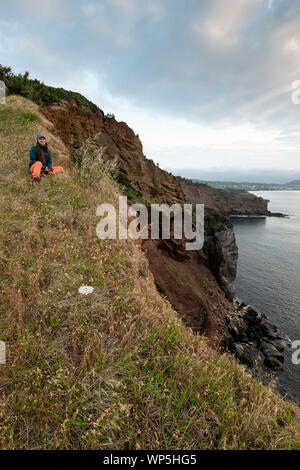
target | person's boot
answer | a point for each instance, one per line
(35, 180)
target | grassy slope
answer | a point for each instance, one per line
(116, 369)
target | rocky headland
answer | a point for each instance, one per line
(232, 201)
(224, 200)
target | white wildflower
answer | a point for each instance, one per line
(85, 290)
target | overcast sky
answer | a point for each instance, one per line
(206, 84)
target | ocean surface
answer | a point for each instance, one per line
(268, 275)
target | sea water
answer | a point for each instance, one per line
(268, 275)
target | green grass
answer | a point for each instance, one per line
(175, 275)
(28, 117)
(126, 188)
(241, 192)
(12, 118)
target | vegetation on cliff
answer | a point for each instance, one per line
(215, 221)
(117, 368)
(38, 92)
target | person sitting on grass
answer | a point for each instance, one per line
(40, 159)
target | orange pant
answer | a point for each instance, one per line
(36, 169)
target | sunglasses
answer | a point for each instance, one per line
(42, 138)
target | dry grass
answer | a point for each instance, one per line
(115, 369)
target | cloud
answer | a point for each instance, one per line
(193, 72)
(224, 22)
(36, 9)
(127, 6)
(205, 61)
(262, 175)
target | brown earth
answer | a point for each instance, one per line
(185, 278)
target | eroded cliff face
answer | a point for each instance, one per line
(192, 281)
(74, 124)
(186, 279)
(222, 253)
(223, 200)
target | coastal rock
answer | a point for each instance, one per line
(246, 353)
(250, 333)
(222, 252)
(251, 315)
(271, 331)
(269, 349)
(273, 363)
(276, 214)
(279, 345)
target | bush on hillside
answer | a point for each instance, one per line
(37, 91)
(215, 221)
(89, 159)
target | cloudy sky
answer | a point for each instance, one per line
(207, 84)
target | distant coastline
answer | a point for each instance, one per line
(258, 215)
(246, 186)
